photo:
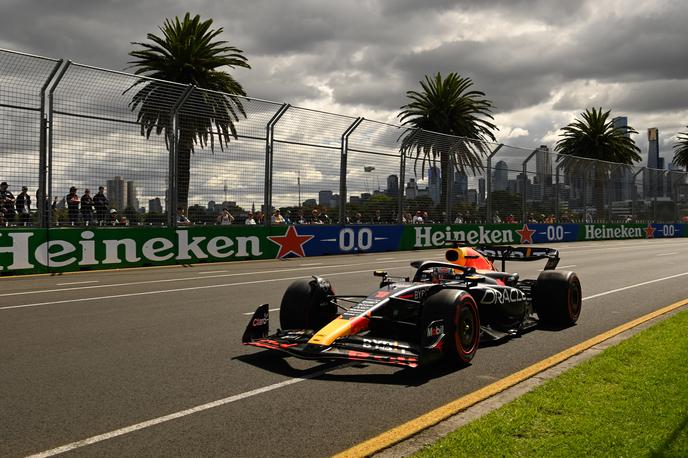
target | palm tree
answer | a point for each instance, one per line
(187, 54)
(447, 105)
(681, 150)
(595, 137)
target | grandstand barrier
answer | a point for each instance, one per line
(40, 250)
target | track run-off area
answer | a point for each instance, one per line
(149, 361)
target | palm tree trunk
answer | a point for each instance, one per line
(184, 167)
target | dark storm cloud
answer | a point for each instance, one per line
(366, 54)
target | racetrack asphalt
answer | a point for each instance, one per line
(149, 361)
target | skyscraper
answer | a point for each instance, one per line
(621, 177)
(460, 185)
(117, 193)
(435, 183)
(411, 189)
(325, 198)
(132, 200)
(393, 185)
(500, 177)
(653, 148)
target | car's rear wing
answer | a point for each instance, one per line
(509, 253)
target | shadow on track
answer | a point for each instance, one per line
(278, 363)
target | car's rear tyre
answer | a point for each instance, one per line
(305, 305)
(557, 298)
(458, 313)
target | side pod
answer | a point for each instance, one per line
(259, 325)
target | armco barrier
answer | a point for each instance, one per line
(25, 251)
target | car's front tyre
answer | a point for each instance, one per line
(305, 305)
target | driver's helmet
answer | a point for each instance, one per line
(440, 274)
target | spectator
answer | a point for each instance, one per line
(225, 218)
(87, 207)
(458, 219)
(2, 219)
(73, 201)
(116, 219)
(287, 217)
(510, 219)
(182, 220)
(23, 204)
(277, 218)
(358, 219)
(377, 218)
(418, 218)
(315, 217)
(496, 218)
(407, 218)
(101, 203)
(250, 220)
(259, 217)
(6, 202)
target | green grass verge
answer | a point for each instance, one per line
(631, 400)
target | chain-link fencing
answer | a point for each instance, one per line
(112, 148)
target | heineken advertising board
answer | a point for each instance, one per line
(71, 249)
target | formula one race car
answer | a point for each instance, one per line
(442, 313)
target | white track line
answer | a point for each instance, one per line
(212, 272)
(176, 290)
(237, 397)
(180, 414)
(311, 264)
(168, 280)
(77, 283)
(668, 254)
(635, 286)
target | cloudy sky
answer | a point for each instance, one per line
(542, 62)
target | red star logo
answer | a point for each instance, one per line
(650, 232)
(291, 242)
(526, 234)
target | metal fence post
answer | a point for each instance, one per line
(488, 183)
(269, 150)
(524, 197)
(171, 202)
(42, 202)
(51, 125)
(634, 192)
(342, 168)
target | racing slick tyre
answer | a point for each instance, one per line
(305, 305)
(457, 314)
(557, 298)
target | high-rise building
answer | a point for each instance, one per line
(543, 166)
(435, 183)
(325, 198)
(393, 185)
(411, 189)
(460, 185)
(117, 193)
(500, 177)
(653, 148)
(154, 205)
(132, 200)
(621, 177)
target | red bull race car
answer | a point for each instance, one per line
(443, 313)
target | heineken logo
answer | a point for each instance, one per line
(87, 251)
(428, 237)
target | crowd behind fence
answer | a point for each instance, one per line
(88, 146)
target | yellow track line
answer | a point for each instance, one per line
(408, 429)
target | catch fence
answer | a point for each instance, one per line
(159, 149)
